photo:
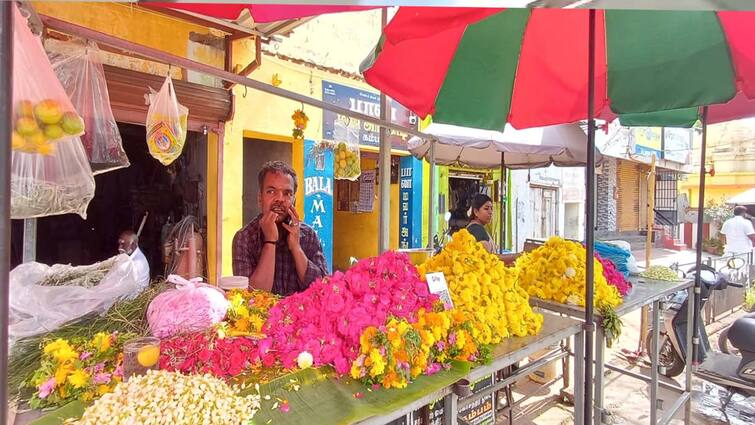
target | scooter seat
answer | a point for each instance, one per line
(741, 334)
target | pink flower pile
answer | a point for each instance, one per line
(328, 318)
(613, 276)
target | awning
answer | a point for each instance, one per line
(745, 198)
(561, 145)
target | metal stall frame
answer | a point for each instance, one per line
(644, 293)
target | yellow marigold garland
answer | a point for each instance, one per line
(556, 271)
(483, 287)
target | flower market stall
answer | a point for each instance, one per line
(368, 345)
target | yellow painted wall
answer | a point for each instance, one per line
(356, 235)
(269, 117)
(720, 186)
(135, 24)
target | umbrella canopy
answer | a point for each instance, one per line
(745, 198)
(561, 145)
(261, 13)
(528, 67)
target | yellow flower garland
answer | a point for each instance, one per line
(556, 271)
(483, 287)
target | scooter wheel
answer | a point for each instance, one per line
(668, 357)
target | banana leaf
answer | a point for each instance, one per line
(322, 399)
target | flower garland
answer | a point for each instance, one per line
(328, 318)
(162, 397)
(483, 287)
(300, 123)
(77, 369)
(205, 353)
(556, 271)
(248, 311)
(395, 354)
(613, 276)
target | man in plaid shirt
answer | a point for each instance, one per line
(276, 250)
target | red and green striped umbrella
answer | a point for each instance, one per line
(528, 67)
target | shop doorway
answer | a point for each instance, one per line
(256, 153)
(461, 189)
(122, 198)
(572, 221)
(544, 212)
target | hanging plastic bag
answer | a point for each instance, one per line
(346, 152)
(44, 298)
(167, 123)
(80, 71)
(50, 173)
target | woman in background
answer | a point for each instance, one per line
(480, 215)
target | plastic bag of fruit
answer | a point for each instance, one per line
(167, 122)
(50, 173)
(79, 69)
(346, 152)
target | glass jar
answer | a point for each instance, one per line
(140, 355)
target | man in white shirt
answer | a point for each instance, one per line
(738, 233)
(128, 243)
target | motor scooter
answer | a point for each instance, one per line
(735, 373)
(672, 348)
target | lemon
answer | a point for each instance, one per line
(148, 355)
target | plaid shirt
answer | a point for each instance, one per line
(247, 248)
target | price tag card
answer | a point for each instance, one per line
(437, 284)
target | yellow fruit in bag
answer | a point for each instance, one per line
(25, 109)
(26, 126)
(72, 123)
(48, 111)
(17, 142)
(54, 132)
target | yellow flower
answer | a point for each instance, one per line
(101, 342)
(241, 325)
(61, 351)
(356, 371)
(61, 373)
(378, 363)
(78, 378)
(103, 389)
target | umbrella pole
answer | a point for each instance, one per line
(431, 205)
(590, 222)
(6, 100)
(699, 246)
(502, 217)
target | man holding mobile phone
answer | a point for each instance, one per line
(276, 250)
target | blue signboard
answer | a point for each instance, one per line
(367, 103)
(410, 207)
(318, 196)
